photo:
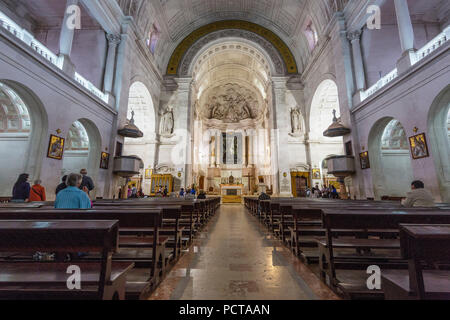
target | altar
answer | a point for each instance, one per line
(231, 193)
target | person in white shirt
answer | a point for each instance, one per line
(418, 197)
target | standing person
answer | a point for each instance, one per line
(86, 182)
(165, 192)
(419, 196)
(334, 193)
(37, 192)
(21, 189)
(62, 185)
(73, 197)
(134, 192)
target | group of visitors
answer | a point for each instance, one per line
(134, 193)
(329, 192)
(71, 193)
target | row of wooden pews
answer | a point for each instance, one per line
(148, 238)
(341, 239)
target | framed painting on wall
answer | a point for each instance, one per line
(104, 161)
(364, 160)
(316, 174)
(419, 147)
(55, 147)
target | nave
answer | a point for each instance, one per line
(236, 258)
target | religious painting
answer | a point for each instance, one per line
(364, 159)
(316, 174)
(148, 174)
(104, 161)
(56, 147)
(419, 147)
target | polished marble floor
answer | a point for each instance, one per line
(235, 258)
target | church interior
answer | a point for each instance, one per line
(224, 150)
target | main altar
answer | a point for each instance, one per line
(232, 190)
(231, 193)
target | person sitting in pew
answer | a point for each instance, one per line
(37, 192)
(419, 196)
(72, 197)
(202, 195)
(62, 185)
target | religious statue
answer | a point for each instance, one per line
(167, 122)
(296, 125)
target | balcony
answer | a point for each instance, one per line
(418, 56)
(9, 25)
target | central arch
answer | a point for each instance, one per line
(270, 41)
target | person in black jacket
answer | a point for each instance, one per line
(62, 185)
(21, 190)
(202, 195)
(87, 184)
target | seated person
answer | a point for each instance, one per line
(72, 197)
(419, 196)
(202, 195)
(264, 196)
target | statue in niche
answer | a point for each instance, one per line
(167, 122)
(296, 124)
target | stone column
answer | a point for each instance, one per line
(244, 149)
(355, 39)
(218, 148)
(66, 39)
(279, 148)
(113, 41)
(406, 32)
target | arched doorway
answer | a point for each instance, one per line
(23, 125)
(232, 118)
(324, 107)
(83, 151)
(439, 132)
(141, 108)
(390, 159)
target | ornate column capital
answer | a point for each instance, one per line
(354, 35)
(113, 39)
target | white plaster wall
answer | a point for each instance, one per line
(63, 100)
(12, 161)
(408, 100)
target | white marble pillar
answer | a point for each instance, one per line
(244, 149)
(218, 149)
(360, 78)
(66, 39)
(113, 41)
(406, 32)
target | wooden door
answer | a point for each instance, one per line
(301, 183)
(202, 183)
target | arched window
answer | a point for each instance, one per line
(14, 116)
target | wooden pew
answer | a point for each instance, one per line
(420, 244)
(146, 253)
(103, 279)
(353, 284)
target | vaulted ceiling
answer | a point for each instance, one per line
(176, 19)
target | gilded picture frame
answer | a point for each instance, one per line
(56, 147)
(418, 146)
